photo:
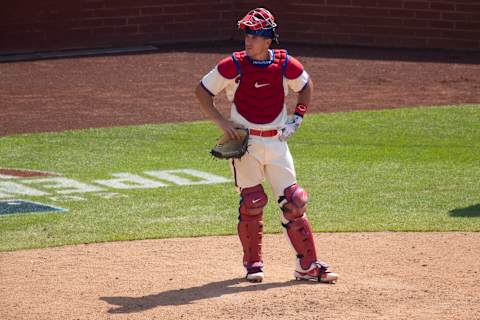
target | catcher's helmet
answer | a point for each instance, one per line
(259, 22)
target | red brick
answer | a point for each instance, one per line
(401, 13)
(124, 3)
(455, 16)
(151, 11)
(364, 3)
(363, 12)
(201, 8)
(442, 6)
(428, 33)
(139, 20)
(315, 9)
(452, 44)
(163, 19)
(338, 2)
(345, 20)
(387, 22)
(175, 9)
(416, 4)
(414, 23)
(337, 38)
(304, 17)
(442, 24)
(115, 22)
(86, 23)
(115, 31)
(464, 17)
(151, 28)
(389, 31)
(186, 18)
(324, 27)
(467, 25)
(93, 5)
(466, 35)
(387, 41)
(415, 43)
(427, 15)
(360, 39)
(117, 12)
(351, 29)
(389, 4)
(471, 8)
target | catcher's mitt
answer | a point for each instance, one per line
(227, 148)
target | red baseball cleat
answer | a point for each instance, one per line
(318, 271)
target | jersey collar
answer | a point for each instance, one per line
(263, 63)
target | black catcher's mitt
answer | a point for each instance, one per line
(227, 148)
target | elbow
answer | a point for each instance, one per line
(310, 84)
(201, 91)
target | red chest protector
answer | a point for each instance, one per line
(260, 95)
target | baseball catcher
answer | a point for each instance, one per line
(256, 82)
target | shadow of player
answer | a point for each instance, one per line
(188, 295)
(471, 211)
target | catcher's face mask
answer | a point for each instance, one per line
(259, 22)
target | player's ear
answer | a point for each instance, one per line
(269, 42)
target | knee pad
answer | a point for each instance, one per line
(253, 200)
(294, 202)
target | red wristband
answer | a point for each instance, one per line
(301, 109)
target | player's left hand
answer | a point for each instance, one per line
(293, 123)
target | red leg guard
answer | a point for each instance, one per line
(301, 237)
(250, 225)
(299, 232)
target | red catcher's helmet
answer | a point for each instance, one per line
(257, 19)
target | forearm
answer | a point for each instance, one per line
(207, 104)
(304, 98)
(208, 107)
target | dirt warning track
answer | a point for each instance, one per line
(55, 95)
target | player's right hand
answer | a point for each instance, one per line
(228, 128)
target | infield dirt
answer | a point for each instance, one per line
(383, 275)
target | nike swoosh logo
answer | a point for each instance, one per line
(256, 200)
(259, 85)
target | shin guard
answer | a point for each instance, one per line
(295, 221)
(250, 225)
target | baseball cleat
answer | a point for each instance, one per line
(255, 275)
(318, 272)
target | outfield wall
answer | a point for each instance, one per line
(28, 26)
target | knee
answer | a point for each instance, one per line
(293, 202)
(253, 200)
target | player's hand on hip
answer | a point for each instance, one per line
(293, 123)
(228, 128)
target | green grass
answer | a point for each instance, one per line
(398, 170)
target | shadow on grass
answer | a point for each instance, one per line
(188, 295)
(471, 211)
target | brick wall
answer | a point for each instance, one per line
(27, 25)
(451, 24)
